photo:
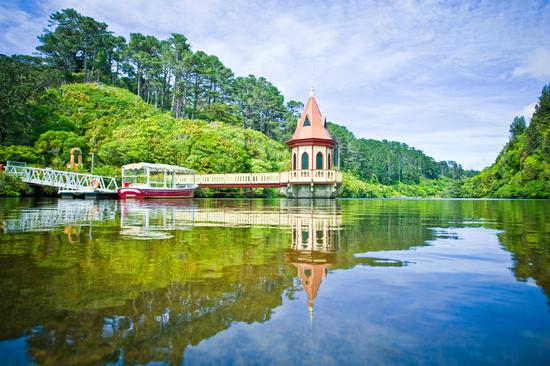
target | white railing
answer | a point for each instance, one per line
(281, 178)
(315, 176)
(62, 179)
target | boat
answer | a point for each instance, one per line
(146, 180)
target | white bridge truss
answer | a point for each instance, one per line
(65, 212)
(62, 179)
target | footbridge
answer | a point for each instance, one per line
(63, 180)
(78, 183)
(263, 180)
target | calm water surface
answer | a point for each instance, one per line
(274, 282)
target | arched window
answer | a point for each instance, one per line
(294, 162)
(306, 122)
(305, 161)
(329, 162)
(305, 237)
(319, 161)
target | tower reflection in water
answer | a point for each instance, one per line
(315, 238)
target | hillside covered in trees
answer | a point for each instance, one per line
(193, 111)
(522, 169)
(119, 128)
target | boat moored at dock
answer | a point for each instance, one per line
(146, 180)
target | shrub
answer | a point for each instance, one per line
(18, 153)
(12, 186)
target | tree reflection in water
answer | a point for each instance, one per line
(91, 282)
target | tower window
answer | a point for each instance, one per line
(306, 122)
(319, 161)
(305, 161)
(294, 162)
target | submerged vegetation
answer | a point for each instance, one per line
(146, 99)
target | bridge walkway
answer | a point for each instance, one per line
(65, 181)
(263, 180)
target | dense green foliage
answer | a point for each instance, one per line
(12, 186)
(120, 128)
(522, 169)
(22, 80)
(352, 187)
(389, 162)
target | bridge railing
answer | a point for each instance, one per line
(314, 176)
(61, 179)
(236, 178)
(279, 178)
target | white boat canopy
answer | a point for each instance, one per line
(158, 168)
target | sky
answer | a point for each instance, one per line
(444, 77)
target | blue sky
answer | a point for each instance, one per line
(444, 77)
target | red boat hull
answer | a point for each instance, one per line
(132, 192)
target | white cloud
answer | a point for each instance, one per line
(537, 65)
(19, 31)
(528, 111)
(412, 71)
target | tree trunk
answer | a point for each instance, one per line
(196, 96)
(85, 65)
(139, 80)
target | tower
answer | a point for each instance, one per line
(312, 172)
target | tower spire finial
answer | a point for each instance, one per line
(311, 91)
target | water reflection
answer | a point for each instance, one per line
(93, 282)
(143, 220)
(147, 279)
(61, 213)
(313, 249)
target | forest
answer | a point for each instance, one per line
(77, 91)
(522, 169)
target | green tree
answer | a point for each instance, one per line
(261, 105)
(517, 127)
(179, 52)
(293, 111)
(54, 147)
(143, 55)
(22, 80)
(522, 169)
(76, 44)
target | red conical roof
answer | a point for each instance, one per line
(311, 280)
(316, 129)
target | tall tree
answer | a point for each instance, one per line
(22, 80)
(143, 53)
(261, 105)
(77, 44)
(293, 110)
(178, 58)
(517, 127)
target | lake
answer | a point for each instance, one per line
(284, 282)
